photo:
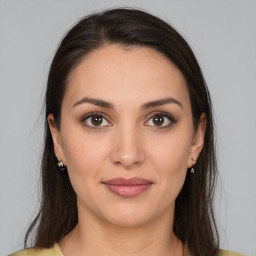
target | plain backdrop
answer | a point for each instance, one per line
(222, 34)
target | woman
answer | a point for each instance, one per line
(129, 162)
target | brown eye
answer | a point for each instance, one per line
(158, 120)
(161, 120)
(95, 120)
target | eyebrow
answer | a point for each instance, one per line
(161, 102)
(105, 104)
(97, 102)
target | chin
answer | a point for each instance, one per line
(127, 221)
(129, 215)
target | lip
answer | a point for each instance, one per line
(128, 187)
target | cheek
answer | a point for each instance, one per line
(171, 152)
(169, 158)
(83, 154)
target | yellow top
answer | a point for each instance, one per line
(56, 251)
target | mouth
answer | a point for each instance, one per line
(128, 187)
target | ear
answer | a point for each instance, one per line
(198, 140)
(56, 137)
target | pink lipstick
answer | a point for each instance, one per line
(128, 187)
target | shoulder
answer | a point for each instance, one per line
(54, 251)
(229, 253)
(34, 252)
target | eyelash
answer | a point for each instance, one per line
(84, 118)
(165, 115)
(160, 113)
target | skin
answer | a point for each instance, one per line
(128, 143)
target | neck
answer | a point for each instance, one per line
(96, 237)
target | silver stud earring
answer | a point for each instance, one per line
(192, 170)
(60, 165)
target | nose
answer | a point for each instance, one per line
(127, 150)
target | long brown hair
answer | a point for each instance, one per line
(194, 221)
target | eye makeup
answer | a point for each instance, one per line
(98, 120)
(162, 116)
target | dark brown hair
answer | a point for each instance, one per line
(194, 222)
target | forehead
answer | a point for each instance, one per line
(116, 73)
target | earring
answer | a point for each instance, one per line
(192, 170)
(60, 165)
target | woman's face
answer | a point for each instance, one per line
(126, 135)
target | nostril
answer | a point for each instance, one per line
(128, 160)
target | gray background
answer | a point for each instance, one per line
(223, 36)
